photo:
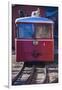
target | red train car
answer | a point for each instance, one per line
(34, 41)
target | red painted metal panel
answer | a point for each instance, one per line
(26, 51)
(19, 56)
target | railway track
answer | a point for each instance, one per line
(36, 74)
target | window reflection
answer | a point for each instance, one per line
(34, 31)
(43, 31)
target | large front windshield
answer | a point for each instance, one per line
(34, 31)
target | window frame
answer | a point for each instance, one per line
(34, 26)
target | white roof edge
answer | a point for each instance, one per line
(50, 21)
(20, 18)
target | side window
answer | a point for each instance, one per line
(17, 30)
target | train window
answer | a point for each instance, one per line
(25, 31)
(43, 31)
(34, 31)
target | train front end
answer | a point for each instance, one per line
(34, 41)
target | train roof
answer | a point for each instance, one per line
(33, 20)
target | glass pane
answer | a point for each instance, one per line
(43, 31)
(26, 30)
